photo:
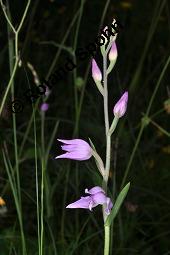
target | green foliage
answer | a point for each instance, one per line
(117, 205)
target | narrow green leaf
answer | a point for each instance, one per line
(117, 205)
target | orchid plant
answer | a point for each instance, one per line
(78, 149)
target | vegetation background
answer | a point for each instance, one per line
(35, 187)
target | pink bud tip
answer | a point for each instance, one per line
(96, 73)
(121, 106)
(113, 52)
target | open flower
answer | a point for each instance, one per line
(77, 149)
(121, 106)
(97, 196)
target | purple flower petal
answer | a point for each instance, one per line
(91, 205)
(83, 202)
(89, 202)
(68, 148)
(99, 198)
(109, 206)
(77, 149)
(74, 155)
(65, 155)
(73, 141)
(94, 190)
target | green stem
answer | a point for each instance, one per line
(9, 170)
(16, 32)
(44, 185)
(108, 153)
(6, 16)
(106, 115)
(8, 86)
(108, 131)
(108, 149)
(107, 240)
(36, 179)
(18, 188)
(42, 208)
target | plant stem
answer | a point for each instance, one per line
(106, 115)
(16, 32)
(18, 188)
(108, 153)
(36, 179)
(107, 240)
(108, 148)
(108, 131)
(42, 208)
(42, 182)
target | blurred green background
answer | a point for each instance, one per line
(51, 32)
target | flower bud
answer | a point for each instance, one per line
(113, 52)
(112, 57)
(96, 73)
(121, 106)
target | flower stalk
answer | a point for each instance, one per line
(109, 129)
(107, 239)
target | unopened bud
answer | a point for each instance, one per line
(113, 52)
(97, 76)
(96, 73)
(121, 106)
(112, 57)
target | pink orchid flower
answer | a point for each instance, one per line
(76, 149)
(97, 196)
